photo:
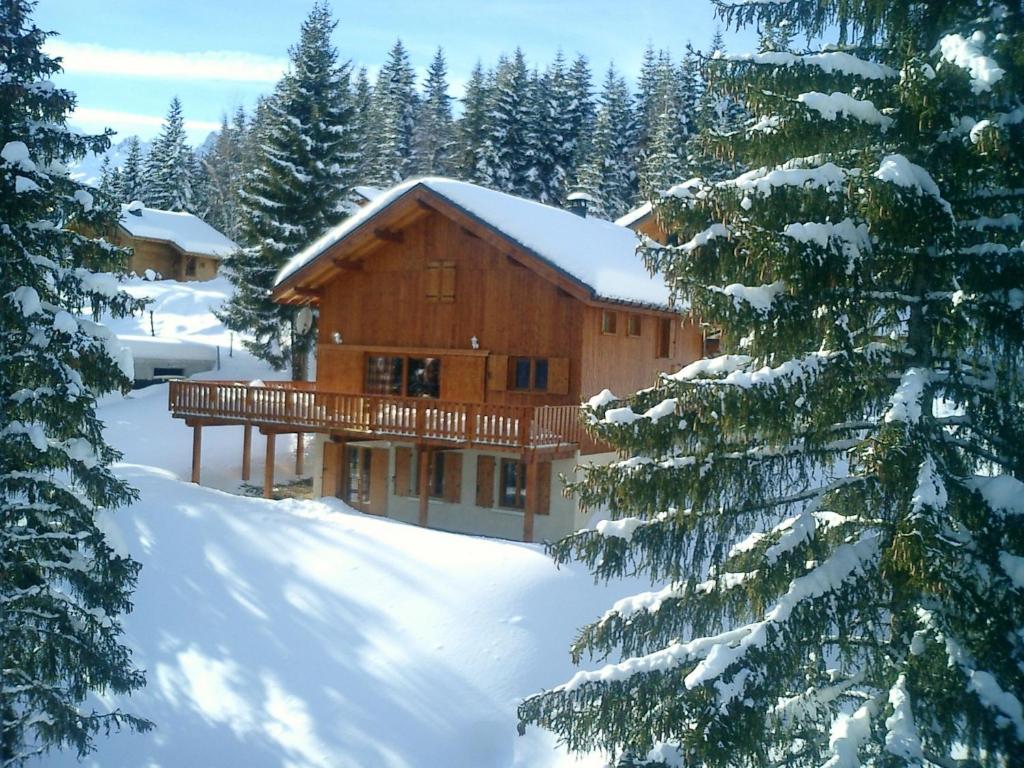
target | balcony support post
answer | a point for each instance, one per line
(530, 503)
(268, 466)
(424, 486)
(299, 452)
(197, 451)
(246, 452)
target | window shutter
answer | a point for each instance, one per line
(403, 472)
(558, 375)
(453, 477)
(447, 288)
(485, 481)
(497, 373)
(543, 469)
(433, 281)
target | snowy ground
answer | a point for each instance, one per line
(305, 635)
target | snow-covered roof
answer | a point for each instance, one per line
(190, 233)
(599, 254)
(631, 218)
(367, 192)
(167, 348)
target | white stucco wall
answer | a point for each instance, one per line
(465, 517)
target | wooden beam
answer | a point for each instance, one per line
(424, 486)
(268, 466)
(300, 290)
(530, 506)
(197, 450)
(350, 264)
(246, 452)
(298, 453)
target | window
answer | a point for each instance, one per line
(190, 266)
(441, 281)
(404, 376)
(512, 484)
(712, 343)
(358, 486)
(444, 475)
(664, 348)
(528, 374)
(177, 372)
(634, 325)
(609, 321)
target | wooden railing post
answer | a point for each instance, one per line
(268, 466)
(197, 451)
(246, 452)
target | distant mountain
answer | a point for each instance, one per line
(87, 170)
(208, 143)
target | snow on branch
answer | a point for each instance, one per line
(719, 652)
(905, 403)
(758, 297)
(901, 736)
(829, 62)
(967, 53)
(896, 169)
(831, 106)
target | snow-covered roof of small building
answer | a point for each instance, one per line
(631, 218)
(597, 253)
(188, 232)
(368, 193)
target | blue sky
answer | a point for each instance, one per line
(126, 58)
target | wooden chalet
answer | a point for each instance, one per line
(173, 244)
(459, 329)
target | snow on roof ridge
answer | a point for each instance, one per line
(185, 230)
(597, 253)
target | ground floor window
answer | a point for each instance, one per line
(512, 484)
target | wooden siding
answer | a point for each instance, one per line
(506, 306)
(165, 259)
(624, 363)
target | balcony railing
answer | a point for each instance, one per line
(300, 406)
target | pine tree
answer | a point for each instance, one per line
(393, 112)
(664, 162)
(609, 175)
(108, 180)
(554, 133)
(362, 101)
(131, 182)
(830, 511)
(507, 163)
(471, 126)
(169, 165)
(579, 116)
(301, 180)
(435, 130)
(62, 586)
(720, 115)
(222, 173)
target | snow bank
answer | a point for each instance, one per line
(597, 253)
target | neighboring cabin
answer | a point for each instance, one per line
(176, 245)
(459, 329)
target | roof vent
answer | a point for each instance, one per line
(579, 202)
(135, 207)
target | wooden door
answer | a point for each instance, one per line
(485, 481)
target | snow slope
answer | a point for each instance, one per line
(303, 634)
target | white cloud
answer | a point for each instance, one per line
(231, 66)
(129, 123)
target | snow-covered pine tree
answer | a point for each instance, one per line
(834, 506)
(131, 181)
(62, 586)
(393, 110)
(299, 186)
(665, 163)
(362, 101)
(222, 172)
(579, 115)
(609, 174)
(553, 133)
(720, 115)
(434, 136)
(169, 165)
(108, 180)
(507, 162)
(471, 126)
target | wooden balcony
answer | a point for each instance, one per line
(289, 406)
